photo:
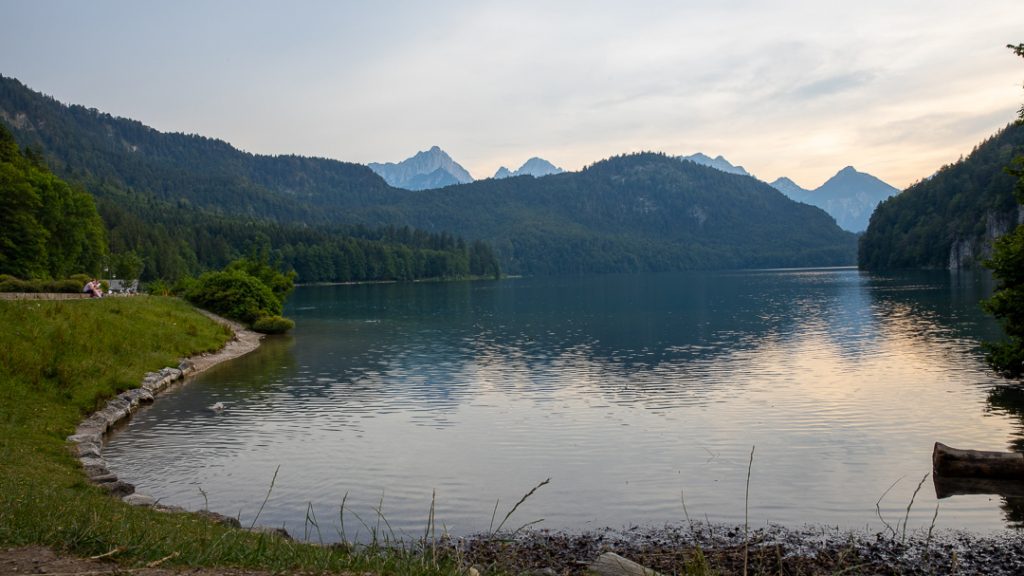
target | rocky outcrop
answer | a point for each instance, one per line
(970, 252)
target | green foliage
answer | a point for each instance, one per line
(1007, 265)
(918, 227)
(273, 325)
(187, 204)
(68, 285)
(281, 284)
(234, 294)
(47, 228)
(127, 266)
(159, 288)
(51, 376)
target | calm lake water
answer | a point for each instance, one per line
(632, 394)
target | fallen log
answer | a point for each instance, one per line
(948, 461)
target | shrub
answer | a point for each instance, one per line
(68, 285)
(158, 288)
(234, 294)
(273, 325)
(12, 284)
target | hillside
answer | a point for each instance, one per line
(950, 219)
(641, 212)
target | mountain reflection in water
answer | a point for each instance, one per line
(628, 391)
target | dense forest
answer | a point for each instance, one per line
(638, 212)
(48, 229)
(192, 201)
(950, 219)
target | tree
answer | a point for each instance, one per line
(1007, 264)
(47, 228)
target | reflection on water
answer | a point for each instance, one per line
(628, 391)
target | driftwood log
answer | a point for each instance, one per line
(952, 462)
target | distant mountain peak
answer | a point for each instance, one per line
(718, 162)
(420, 172)
(535, 167)
(850, 196)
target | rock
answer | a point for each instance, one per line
(219, 518)
(611, 564)
(279, 532)
(87, 449)
(104, 478)
(92, 462)
(121, 489)
(139, 500)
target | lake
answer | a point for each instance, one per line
(641, 397)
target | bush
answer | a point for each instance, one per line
(158, 288)
(11, 284)
(68, 286)
(234, 294)
(273, 325)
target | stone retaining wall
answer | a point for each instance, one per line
(43, 295)
(87, 441)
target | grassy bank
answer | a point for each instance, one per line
(59, 360)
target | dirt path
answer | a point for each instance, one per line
(38, 560)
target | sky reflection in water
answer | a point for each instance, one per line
(629, 392)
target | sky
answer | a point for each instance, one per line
(896, 88)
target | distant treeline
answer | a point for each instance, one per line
(176, 242)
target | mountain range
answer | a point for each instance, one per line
(535, 167)
(425, 170)
(850, 196)
(639, 212)
(718, 163)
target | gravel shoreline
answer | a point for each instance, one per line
(771, 550)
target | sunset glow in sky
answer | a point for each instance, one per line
(797, 89)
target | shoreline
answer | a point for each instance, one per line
(90, 435)
(773, 549)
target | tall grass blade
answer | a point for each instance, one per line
(521, 500)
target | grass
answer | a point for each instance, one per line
(60, 360)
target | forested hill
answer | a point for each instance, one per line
(950, 219)
(641, 212)
(89, 146)
(631, 213)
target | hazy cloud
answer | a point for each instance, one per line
(792, 88)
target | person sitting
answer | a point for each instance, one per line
(93, 289)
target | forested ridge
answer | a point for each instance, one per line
(186, 202)
(178, 204)
(961, 208)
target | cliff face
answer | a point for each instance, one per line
(971, 252)
(951, 219)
